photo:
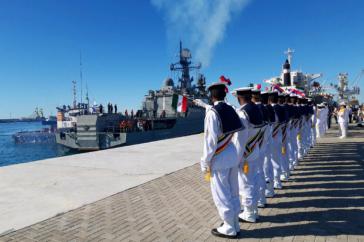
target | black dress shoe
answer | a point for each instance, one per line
(218, 234)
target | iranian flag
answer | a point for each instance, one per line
(182, 104)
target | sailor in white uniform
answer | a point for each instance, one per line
(285, 139)
(296, 125)
(292, 144)
(268, 164)
(343, 120)
(277, 139)
(301, 128)
(263, 148)
(320, 120)
(220, 160)
(307, 127)
(248, 171)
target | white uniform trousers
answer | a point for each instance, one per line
(319, 128)
(300, 135)
(343, 128)
(276, 157)
(248, 184)
(309, 136)
(313, 135)
(261, 184)
(284, 156)
(268, 165)
(292, 148)
(225, 193)
(305, 138)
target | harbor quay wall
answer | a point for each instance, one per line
(34, 191)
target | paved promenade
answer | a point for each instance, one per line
(324, 201)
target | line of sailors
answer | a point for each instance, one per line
(248, 151)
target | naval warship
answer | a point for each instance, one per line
(165, 113)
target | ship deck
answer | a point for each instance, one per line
(323, 201)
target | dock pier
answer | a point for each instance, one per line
(156, 192)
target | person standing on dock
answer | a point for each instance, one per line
(292, 135)
(277, 139)
(249, 153)
(268, 166)
(261, 183)
(343, 119)
(285, 134)
(116, 108)
(220, 160)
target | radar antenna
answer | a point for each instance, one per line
(184, 65)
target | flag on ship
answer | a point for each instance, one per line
(182, 104)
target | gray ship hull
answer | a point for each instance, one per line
(92, 133)
(89, 138)
(183, 127)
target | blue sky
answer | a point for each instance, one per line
(127, 51)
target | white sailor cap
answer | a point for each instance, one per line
(216, 85)
(242, 91)
(255, 91)
(342, 103)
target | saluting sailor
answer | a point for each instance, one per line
(252, 120)
(220, 160)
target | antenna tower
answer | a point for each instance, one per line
(74, 94)
(289, 53)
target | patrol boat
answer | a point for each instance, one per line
(165, 113)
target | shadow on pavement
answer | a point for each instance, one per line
(330, 178)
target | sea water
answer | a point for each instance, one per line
(12, 153)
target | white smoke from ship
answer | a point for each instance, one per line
(201, 22)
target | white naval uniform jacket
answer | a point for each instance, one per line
(244, 135)
(212, 131)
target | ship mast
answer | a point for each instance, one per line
(74, 94)
(81, 76)
(184, 65)
(289, 53)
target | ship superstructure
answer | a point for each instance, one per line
(295, 81)
(346, 93)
